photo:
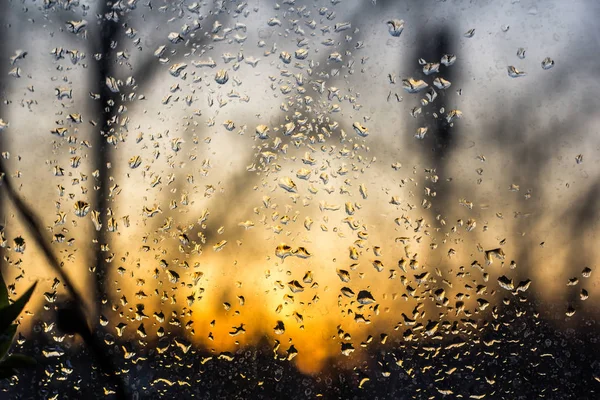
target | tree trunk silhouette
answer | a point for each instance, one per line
(105, 106)
(4, 88)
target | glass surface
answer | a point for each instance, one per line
(300, 198)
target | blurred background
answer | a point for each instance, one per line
(326, 198)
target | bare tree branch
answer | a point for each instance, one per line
(77, 313)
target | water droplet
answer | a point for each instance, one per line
(587, 272)
(295, 286)
(414, 86)
(301, 54)
(283, 250)
(221, 77)
(175, 37)
(81, 208)
(308, 277)
(365, 297)
(523, 285)
(291, 353)
(513, 72)
(395, 27)
(51, 352)
(172, 276)
(362, 189)
(302, 252)
(452, 115)
(273, 22)
(363, 382)
(75, 118)
(448, 59)
(441, 83)
(135, 162)
(19, 55)
(262, 131)
(440, 294)
(494, 253)
(285, 57)
(246, 224)
(120, 328)
(506, 283)
(470, 33)
(360, 129)
(112, 84)
(343, 275)
(353, 253)
(288, 184)
(176, 144)
(209, 63)
(342, 26)
(279, 328)
(547, 63)
(19, 244)
(151, 211)
(96, 220)
(431, 328)
(347, 349)
(289, 129)
(76, 26)
(308, 223)
(431, 68)
(176, 69)
(378, 265)
(303, 173)
(521, 53)
(63, 92)
(15, 72)
(219, 246)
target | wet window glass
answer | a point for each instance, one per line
(299, 198)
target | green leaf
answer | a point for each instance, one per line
(10, 313)
(18, 361)
(6, 339)
(9, 366)
(3, 292)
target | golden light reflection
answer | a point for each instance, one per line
(243, 290)
(236, 296)
(222, 285)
